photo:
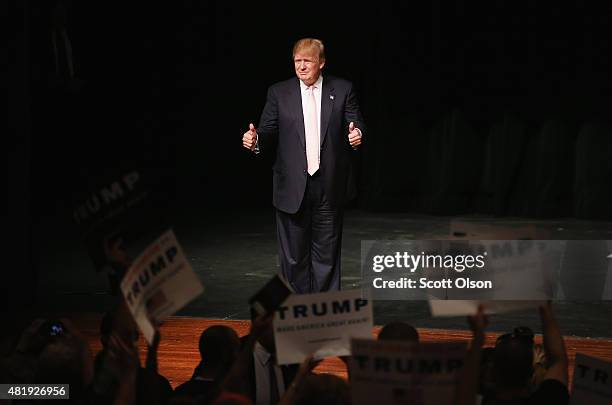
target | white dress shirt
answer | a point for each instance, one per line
(318, 91)
(262, 376)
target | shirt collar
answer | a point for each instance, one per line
(261, 354)
(317, 84)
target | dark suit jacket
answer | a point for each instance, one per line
(289, 373)
(282, 122)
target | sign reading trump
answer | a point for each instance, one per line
(395, 372)
(321, 324)
(159, 283)
(592, 382)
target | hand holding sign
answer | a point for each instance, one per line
(305, 369)
(249, 139)
(354, 135)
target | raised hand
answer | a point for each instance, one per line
(249, 139)
(354, 135)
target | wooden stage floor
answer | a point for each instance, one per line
(178, 352)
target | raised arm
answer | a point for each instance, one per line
(261, 137)
(467, 386)
(268, 122)
(305, 368)
(352, 115)
(554, 346)
(151, 360)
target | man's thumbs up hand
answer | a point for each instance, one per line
(354, 135)
(249, 139)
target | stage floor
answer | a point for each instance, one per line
(178, 351)
(234, 254)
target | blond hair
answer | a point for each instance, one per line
(310, 44)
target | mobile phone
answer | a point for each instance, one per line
(271, 296)
(55, 329)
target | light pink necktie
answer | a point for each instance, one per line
(312, 133)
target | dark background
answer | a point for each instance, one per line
(498, 107)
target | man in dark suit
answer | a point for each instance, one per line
(316, 124)
(266, 381)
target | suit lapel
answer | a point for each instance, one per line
(295, 98)
(327, 105)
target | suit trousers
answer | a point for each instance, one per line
(310, 241)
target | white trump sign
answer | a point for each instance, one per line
(321, 324)
(395, 372)
(592, 382)
(159, 283)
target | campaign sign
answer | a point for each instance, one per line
(395, 372)
(440, 308)
(321, 324)
(123, 205)
(159, 283)
(592, 382)
(521, 269)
